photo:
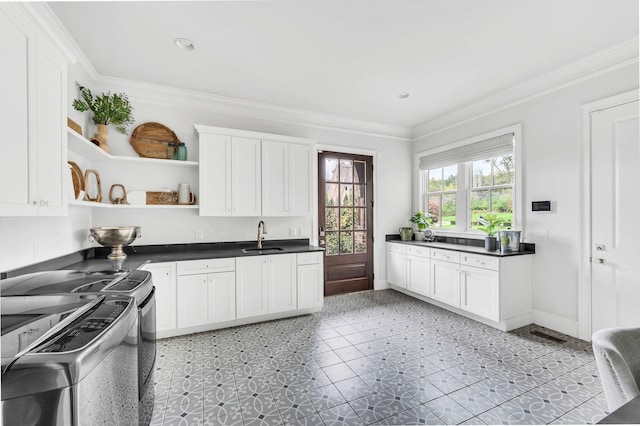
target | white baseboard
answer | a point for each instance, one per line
(380, 285)
(555, 323)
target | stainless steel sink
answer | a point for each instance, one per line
(262, 250)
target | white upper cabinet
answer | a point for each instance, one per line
(31, 117)
(286, 179)
(254, 174)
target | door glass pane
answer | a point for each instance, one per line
(346, 242)
(359, 218)
(331, 169)
(359, 242)
(331, 194)
(346, 171)
(346, 219)
(359, 198)
(502, 204)
(450, 178)
(434, 210)
(448, 210)
(360, 175)
(503, 170)
(479, 206)
(346, 195)
(481, 173)
(332, 244)
(331, 219)
(435, 180)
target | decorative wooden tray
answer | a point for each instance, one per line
(77, 178)
(152, 139)
(162, 197)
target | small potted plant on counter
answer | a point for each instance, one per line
(107, 109)
(492, 224)
(422, 221)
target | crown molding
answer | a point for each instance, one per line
(619, 56)
(190, 99)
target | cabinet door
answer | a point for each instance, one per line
(222, 297)
(192, 300)
(445, 282)
(281, 279)
(164, 279)
(480, 292)
(275, 178)
(419, 275)
(310, 286)
(246, 187)
(51, 136)
(300, 179)
(251, 287)
(215, 175)
(397, 268)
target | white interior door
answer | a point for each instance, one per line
(615, 209)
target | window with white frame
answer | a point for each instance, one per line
(458, 186)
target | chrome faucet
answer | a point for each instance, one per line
(262, 229)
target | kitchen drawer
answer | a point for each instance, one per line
(206, 266)
(397, 248)
(479, 261)
(419, 251)
(445, 255)
(309, 258)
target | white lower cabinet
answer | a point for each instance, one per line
(192, 300)
(221, 292)
(490, 287)
(164, 280)
(310, 280)
(265, 284)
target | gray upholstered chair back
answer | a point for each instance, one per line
(617, 352)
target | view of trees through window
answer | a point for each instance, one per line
(491, 190)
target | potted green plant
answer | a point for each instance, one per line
(422, 221)
(107, 108)
(492, 224)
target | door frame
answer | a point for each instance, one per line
(584, 272)
(378, 284)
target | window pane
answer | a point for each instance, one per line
(332, 243)
(359, 218)
(359, 195)
(481, 173)
(331, 194)
(502, 204)
(359, 242)
(331, 219)
(503, 170)
(346, 171)
(479, 206)
(346, 242)
(434, 210)
(435, 180)
(448, 211)
(360, 175)
(450, 178)
(331, 169)
(346, 218)
(346, 195)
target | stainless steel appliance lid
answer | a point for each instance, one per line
(76, 282)
(70, 353)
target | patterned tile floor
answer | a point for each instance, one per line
(375, 358)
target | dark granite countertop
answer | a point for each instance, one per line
(466, 245)
(95, 259)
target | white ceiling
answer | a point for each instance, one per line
(349, 58)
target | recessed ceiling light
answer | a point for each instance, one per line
(184, 43)
(404, 95)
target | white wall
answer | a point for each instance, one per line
(552, 171)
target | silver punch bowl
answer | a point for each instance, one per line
(116, 237)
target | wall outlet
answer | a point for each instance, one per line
(305, 232)
(293, 232)
(199, 234)
(540, 235)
